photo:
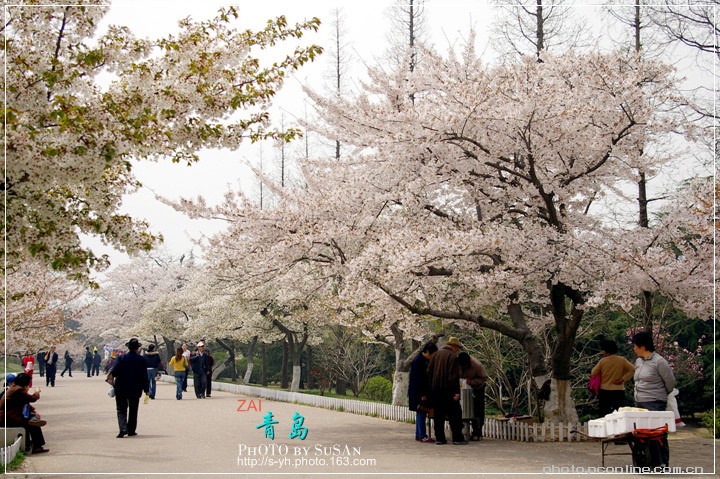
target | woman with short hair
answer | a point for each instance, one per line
(614, 371)
(654, 378)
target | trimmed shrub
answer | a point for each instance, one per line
(378, 389)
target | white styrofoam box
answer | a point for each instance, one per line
(626, 421)
(610, 423)
(596, 428)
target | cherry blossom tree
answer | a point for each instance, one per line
(479, 195)
(70, 139)
(39, 304)
(470, 198)
(119, 304)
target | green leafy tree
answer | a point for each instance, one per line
(70, 137)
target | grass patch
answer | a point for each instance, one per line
(15, 463)
(12, 364)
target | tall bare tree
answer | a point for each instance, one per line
(525, 28)
(408, 26)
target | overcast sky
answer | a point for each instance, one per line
(366, 25)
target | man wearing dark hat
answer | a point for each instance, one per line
(444, 372)
(129, 378)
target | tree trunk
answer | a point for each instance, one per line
(230, 348)
(297, 371)
(169, 349)
(310, 381)
(340, 386)
(294, 349)
(263, 379)
(560, 407)
(219, 369)
(250, 360)
(284, 367)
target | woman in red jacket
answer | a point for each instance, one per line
(28, 363)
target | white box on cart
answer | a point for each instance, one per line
(597, 428)
(627, 421)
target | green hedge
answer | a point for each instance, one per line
(378, 389)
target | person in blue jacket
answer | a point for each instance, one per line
(419, 391)
(129, 378)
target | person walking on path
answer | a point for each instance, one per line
(199, 364)
(51, 359)
(179, 364)
(96, 362)
(28, 364)
(13, 405)
(153, 364)
(211, 363)
(614, 371)
(444, 371)
(68, 364)
(476, 376)
(129, 378)
(419, 391)
(654, 379)
(186, 353)
(40, 360)
(88, 361)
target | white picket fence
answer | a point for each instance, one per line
(545, 432)
(7, 454)
(507, 430)
(386, 411)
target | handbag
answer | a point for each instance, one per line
(429, 411)
(595, 382)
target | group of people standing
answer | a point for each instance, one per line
(200, 362)
(434, 391)
(46, 362)
(654, 378)
(92, 361)
(47, 365)
(435, 376)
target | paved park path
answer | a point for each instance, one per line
(211, 438)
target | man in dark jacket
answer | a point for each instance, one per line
(96, 362)
(51, 359)
(41, 362)
(200, 367)
(129, 377)
(444, 371)
(153, 364)
(88, 360)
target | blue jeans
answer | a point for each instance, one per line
(151, 372)
(653, 405)
(420, 419)
(179, 376)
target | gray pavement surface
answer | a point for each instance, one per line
(211, 438)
